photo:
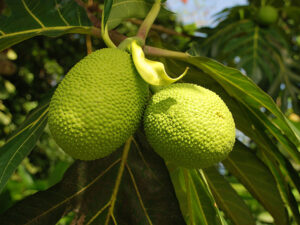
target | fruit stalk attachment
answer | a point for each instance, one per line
(152, 72)
(104, 32)
(147, 23)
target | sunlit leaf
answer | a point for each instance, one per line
(245, 91)
(196, 202)
(284, 188)
(258, 179)
(245, 121)
(227, 198)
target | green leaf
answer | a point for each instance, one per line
(25, 19)
(89, 189)
(21, 143)
(106, 11)
(292, 12)
(227, 198)
(196, 203)
(284, 188)
(260, 51)
(124, 9)
(258, 179)
(246, 92)
(244, 119)
(255, 130)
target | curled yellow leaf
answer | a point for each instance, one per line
(152, 72)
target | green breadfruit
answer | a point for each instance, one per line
(267, 15)
(189, 125)
(98, 105)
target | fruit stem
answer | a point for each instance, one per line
(105, 35)
(118, 180)
(147, 23)
(153, 51)
(148, 50)
(155, 88)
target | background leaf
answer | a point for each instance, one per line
(28, 18)
(106, 12)
(87, 189)
(246, 92)
(25, 19)
(251, 171)
(269, 55)
(196, 202)
(264, 53)
(21, 143)
(245, 121)
(124, 9)
(227, 198)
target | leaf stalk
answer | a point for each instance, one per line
(149, 20)
(105, 35)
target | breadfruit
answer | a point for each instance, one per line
(267, 15)
(189, 125)
(98, 105)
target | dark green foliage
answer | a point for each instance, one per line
(259, 181)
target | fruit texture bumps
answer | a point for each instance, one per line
(98, 105)
(189, 125)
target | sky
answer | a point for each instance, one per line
(200, 12)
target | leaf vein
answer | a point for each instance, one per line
(138, 193)
(60, 14)
(40, 30)
(199, 201)
(31, 14)
(221, 199)
(99, 212)
(126, 2)
(76, 193)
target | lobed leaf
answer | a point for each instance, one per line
(260, 51)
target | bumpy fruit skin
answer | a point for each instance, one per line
(189, 125)
(267, 15)
(98, 105)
